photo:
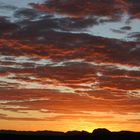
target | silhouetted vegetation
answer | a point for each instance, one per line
(97, 134)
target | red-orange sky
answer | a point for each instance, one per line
(70, 65)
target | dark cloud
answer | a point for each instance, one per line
(78, 8)
(126, 28)
(134, 9)
(26, 13)
(6, 27)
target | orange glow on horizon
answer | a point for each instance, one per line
(64, 126)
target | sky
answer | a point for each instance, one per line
(70, 65)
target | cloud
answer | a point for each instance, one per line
(126, 28)
(78, 8)
(6, 27)
(26, 14)
(134, 8)
(136, 36)
(51, 65)
(43, 99)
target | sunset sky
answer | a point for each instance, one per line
(70, 65)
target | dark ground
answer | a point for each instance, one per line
(97, 134)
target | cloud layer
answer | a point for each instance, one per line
(53, 68)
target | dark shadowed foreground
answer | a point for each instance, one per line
(97, 134)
